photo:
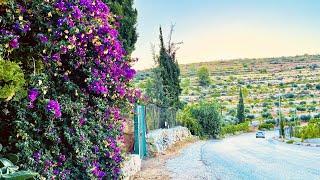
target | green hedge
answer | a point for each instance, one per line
(202, 119)
(312, 130)
(266, 126)
(187, 120)
(232, 129)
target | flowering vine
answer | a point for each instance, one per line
(85, 83)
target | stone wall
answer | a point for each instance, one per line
(131, 165)
(161, 139)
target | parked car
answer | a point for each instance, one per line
(260, 134)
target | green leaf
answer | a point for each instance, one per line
(21, 175)
(5, 162)
(13, 168)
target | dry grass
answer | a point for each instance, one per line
(154, 168)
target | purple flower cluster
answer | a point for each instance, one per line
(114, 150)
(32, 96)
(14, 43)
(97, 170)
(78, 41)
(37, 156)
(43, 38)
(54, 106)
(109, 69)
(61, 159)
(22, 27)
(82, 121)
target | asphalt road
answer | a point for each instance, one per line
(245, 157)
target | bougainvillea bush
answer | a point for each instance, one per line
(70, 124)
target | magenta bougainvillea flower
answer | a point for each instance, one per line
(42, 38)
(37, 156)
(97, 171)
(14, 43)
(33, 94)
(54, 106)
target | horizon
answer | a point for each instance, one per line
(228, 30)
(236, 59)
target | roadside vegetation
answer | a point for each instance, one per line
(235, 128)
(312, 130)
(202, 119)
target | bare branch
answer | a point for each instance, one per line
(170, 37)
(153, 51)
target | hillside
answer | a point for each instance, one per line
(294, 78)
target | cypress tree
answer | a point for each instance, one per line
(169, 74)
(240, 109)
(167, 80)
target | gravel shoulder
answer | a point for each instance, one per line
(155, 168)
(190, 164)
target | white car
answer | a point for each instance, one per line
(260, 134)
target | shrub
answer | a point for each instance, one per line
(232, 129)
(312, 130)
(308, 86)
(203, 76)
(186, 119)
(208, 115)
(267, 126)
(266, 114)
(229, 120)
(305, 117)
(290, 142)
(250, 116)
(312, 108)
(289, 95)
(11, 81)
(265, 104)
(301, 108)
(232, 112)
(271, 121)
(303, 103)
(317, 116)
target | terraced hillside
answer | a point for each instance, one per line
(295, 79)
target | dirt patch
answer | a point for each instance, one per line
(155, 168)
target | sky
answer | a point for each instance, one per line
(228, 29)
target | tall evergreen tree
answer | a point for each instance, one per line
(165, 89)
(128, 19)
(169, 73)
(240, 109)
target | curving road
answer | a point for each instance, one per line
(245, 157)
